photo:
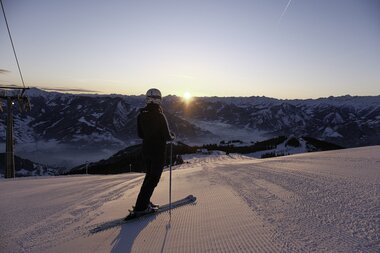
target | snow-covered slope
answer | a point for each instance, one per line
(315, 202)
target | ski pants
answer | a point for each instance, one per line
(154, 167)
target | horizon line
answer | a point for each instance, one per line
(79, 91)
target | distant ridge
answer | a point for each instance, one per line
(74, 125)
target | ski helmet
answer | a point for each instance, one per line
(153, 96)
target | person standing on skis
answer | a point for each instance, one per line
(153, 128)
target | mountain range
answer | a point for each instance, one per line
(74, 125)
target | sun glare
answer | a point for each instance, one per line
(187, 96)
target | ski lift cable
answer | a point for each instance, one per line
(13, 47)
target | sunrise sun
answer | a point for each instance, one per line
(187, 96)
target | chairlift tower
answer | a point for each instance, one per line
(23, 105)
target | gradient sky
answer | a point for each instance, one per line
(317, 48)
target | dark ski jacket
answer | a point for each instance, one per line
(153, 128)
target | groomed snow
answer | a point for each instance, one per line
(315, 202)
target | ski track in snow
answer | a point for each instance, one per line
(55, 206)
(220, 221)
(319, 202)
(310, 211)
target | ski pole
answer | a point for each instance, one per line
(170, 180)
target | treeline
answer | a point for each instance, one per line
(258, 146)
(130, 159)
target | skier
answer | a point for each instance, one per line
(153, 128)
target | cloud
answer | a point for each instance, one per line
(10, 86)
(4, 71)
(68, 89)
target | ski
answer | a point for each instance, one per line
(164, 208)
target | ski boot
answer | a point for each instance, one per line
(154, 206)
(136, 214)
